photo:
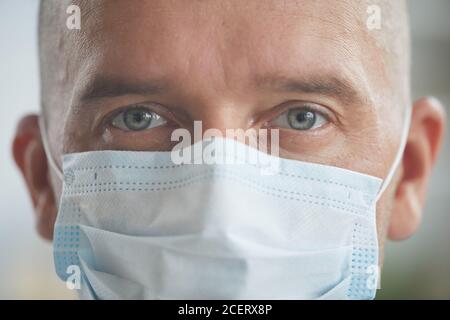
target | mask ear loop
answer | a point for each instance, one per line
(48, 153)
(399, 155)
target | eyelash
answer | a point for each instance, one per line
(311, 108)
(286, 107)
(108, 120)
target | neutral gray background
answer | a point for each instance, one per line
(417, 268)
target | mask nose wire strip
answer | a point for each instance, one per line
(50, 158)
(399, 155)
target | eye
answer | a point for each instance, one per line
(302, 118)
(137, 119)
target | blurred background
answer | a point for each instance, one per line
(418, 268)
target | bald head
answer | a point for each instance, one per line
(61, 50)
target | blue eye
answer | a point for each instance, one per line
(137, 119)
(302, 118)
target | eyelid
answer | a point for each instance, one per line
(108, 119)
(120, 110)
(289, 105)
(312, 107)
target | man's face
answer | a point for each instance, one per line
(308, 68)
(234, 65)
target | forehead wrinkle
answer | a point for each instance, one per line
(92, 11)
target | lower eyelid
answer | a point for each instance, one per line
(319, 131)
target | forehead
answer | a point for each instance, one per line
(234, 40)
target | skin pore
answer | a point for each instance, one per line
(234, 64)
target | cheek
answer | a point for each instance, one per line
(319, 147)
(383, 216)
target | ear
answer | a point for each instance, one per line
(421, 151)
(29, 155)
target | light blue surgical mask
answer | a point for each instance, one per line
(140, 227)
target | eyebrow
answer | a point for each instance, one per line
(332, 86)
(108, 87)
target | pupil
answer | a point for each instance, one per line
(137, 119)
(301, 119)
(305, 116)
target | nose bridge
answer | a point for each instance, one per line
(222, 115)
(218, 97)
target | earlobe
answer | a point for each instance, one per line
(421, 151)
(30, 157)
